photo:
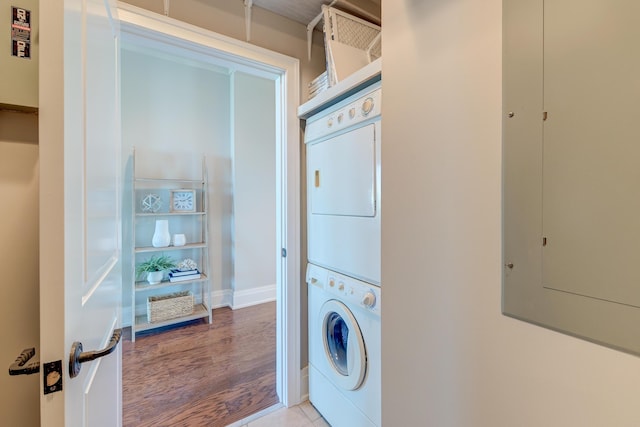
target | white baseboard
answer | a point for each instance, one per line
(253, 296)
(304, 384)
(219, 299)
(126, 317)
(222, 298)
(244, 422)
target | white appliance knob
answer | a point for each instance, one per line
(341, 286)
(369, 299)
(352, 113)
(367, 106)
(340, 116)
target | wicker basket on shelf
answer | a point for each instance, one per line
(170, 306)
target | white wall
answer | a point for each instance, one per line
(268, 30)
(450, 358)
(271, 32)
(176, 108)
(254, 190)
(19, 285)
(172, 108)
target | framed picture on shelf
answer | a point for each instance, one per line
(182, 200)
(151, 203)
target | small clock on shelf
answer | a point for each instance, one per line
(183, 201)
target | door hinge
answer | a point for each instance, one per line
(284, 253)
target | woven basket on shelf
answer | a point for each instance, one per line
(170, 306)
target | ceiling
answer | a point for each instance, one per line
(304, 11)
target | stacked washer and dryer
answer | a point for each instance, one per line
(343, 272)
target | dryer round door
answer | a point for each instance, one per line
(343, 345)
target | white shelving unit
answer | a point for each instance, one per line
(192, 224)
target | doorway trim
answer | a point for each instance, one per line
(142, 27)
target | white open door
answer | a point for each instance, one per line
(80, 287)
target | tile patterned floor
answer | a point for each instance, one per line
(303, 415)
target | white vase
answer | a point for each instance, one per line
(155, 277)
(179, 240)
(161, 237)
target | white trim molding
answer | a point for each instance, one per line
(304, 383)
(253, 296)
(223, 298)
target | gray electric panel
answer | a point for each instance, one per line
(571, 156)
(19, 54)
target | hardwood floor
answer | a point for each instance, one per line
(200, 374)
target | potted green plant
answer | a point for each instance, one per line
(155, 267)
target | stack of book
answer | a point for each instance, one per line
(318, 85)
(182, 275)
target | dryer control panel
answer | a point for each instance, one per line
(362, 106)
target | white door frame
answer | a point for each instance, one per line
(143, 27)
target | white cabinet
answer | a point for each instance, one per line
(182, 203)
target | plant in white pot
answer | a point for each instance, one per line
(155, 267)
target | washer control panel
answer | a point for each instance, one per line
(346, 289)
(354, 291)
(361, 107)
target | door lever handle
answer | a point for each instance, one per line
(77, 357)
(23, 364)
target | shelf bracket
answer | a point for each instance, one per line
(248, 4)
(310, 28)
